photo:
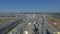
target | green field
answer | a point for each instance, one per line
(3, 21)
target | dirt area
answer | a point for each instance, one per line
(55, 22)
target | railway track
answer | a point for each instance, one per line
(11, 26)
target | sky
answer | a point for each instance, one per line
(16, 6)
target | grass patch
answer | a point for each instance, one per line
(3, 21)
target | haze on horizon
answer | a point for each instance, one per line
(13, 6)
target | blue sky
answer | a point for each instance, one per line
(29, 6)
